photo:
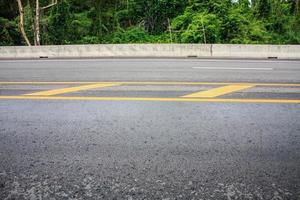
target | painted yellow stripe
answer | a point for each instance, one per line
(70, 89)
(218, 91)
(152, 83)
(284, 101)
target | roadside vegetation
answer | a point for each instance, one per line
(51, 22)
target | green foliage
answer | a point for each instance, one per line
(131, 35)
(240, 27)
(197, 28)
(8, 30)
(59, 24)
(156, 21)
(263, 8)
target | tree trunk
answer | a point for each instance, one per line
(21, 11)
(32, 12)
(38, 9)
(37, 24)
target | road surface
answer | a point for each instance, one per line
(150, 129)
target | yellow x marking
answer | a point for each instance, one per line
(202, 96)
(70, 89)
(218, 91)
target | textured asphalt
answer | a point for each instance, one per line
(150, 150)
(151, 70)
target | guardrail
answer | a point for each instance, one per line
(152, 51)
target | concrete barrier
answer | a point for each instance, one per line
(256, 51)
(152, 51)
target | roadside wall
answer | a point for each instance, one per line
(256, 51)
(152, 51)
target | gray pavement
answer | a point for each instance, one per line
(77, 149)
(191, 70)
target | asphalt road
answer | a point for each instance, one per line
(152, 70)
(153, 132)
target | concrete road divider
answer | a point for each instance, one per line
(152, 51)
(256, 51)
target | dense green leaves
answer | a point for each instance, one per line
(156, 21)
(8, 31)
(197, 28)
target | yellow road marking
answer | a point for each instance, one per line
(218, 91)
(70, 89)
(285, 101)
(151, 83)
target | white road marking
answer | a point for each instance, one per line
(234, 68)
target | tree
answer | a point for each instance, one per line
(38, 10)
(36, 23)
(21, 13)
(120, 21)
